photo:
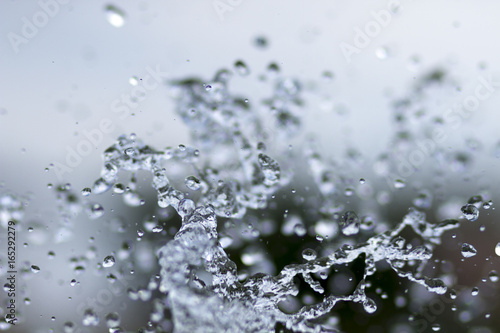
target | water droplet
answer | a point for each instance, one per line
(241, 68)
(309, 254)
(273, 68)
(35, 269)
(349, 223)
(475, 291)
(119, 188)
(27, 301)
(299, 229)
(186, 207)
(112, 319)
(382, 53)
(109, 261)
(362, 181)
(468, 250)
(399, 183)
(369, 305)
(133, 81)
(157, 228)
(72, 283)
(90, 318)
(115, 16)
(86, 192)
(69, 327)
(470, 212)
(95, 211)
(493, 276)
(436, 327)
(192, 183)
(261, 42)
(497, 249)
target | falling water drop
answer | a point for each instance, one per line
(109, 261)
(470, 212)
(468, 250)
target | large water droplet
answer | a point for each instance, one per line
(369, 305)
(470, 212)
(192, 183)
(309, 254)
(468, 250)
(349, 223)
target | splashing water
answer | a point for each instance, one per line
(238, 162)
(243, 181)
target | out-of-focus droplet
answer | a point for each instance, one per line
(112, 319)
(109, 261)
(69, 327)
(299, 229)
(436, 327)
(497, 249)
(133, 81)
(399, 183)
(95, 211)
(468, 250)
(349, 223)
(261, 42)
(241, 68)
(119, 188)
(382, 52)
(470, 212)
(493, 276)
(273, 68)
(90, 318)
(115, 16)
(192, 183)
(86, 192)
